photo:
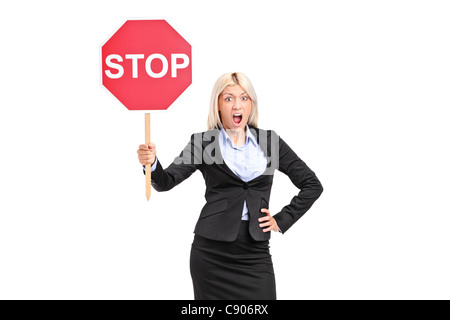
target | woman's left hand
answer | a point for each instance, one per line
(271, 222)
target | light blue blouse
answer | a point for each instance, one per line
(247, 161)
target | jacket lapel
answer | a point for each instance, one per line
(212, 154)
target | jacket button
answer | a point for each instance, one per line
(245, 186)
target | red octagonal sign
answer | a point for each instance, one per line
(146, 64)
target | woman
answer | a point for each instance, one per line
(230, 257)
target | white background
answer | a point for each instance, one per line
(359, 89)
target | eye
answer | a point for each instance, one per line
(244, 98)
(228, 99)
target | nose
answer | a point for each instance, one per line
(237, 105)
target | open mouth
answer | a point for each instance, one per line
(237, 118)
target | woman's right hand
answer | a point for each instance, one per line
(147, 154)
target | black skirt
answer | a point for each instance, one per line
(238, 270)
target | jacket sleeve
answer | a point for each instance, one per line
(304, 179)
(181, 168)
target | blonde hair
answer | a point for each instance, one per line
(231, 79)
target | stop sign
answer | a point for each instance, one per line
(146, 64)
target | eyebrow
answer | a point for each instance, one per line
(231, 94)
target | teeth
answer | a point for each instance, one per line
(237, 114)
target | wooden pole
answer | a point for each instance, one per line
(148, 167)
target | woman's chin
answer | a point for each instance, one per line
(235, 126)
(239, 127)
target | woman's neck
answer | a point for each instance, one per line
(237, 136)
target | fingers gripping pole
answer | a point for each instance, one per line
(148, 169)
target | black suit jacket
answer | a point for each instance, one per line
(225, 192)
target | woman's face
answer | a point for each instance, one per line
(235, 107)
